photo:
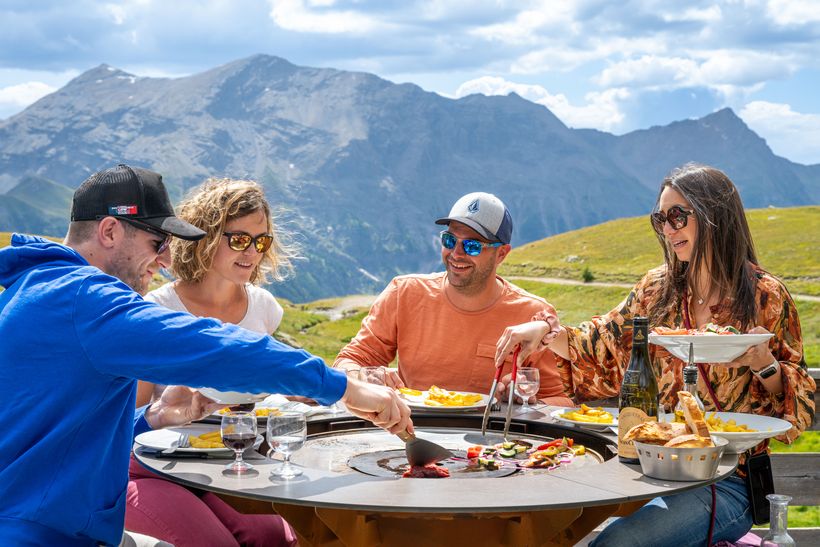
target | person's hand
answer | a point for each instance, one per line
(378, 404)
(391, 378)
(179, 405)
(756, 357)
(502, 394)
(528, 336)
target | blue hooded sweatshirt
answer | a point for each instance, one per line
(73, 341)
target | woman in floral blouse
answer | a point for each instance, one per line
(710, 275)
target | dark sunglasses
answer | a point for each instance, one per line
(161, 245)
(239, 241)
(471, 246)
(676, 216)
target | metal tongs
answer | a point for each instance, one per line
(498, 372)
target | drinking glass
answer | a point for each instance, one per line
(527, 382)
(286, 435)
(238, 433)
(373, 375)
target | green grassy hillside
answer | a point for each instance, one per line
(787, 240)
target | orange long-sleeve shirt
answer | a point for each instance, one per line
(440, 344)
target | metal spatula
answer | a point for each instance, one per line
(421, 452)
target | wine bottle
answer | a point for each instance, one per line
(638, 400)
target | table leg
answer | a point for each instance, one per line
(310, 530)
(326, 527)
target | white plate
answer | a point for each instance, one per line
(287, 406)
(417, 401)
(557, 415)
(766, 426)
(708, 348)
(162, 439)
(231, 397)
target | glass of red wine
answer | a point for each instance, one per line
(238, 433)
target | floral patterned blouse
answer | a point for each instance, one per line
(599, 353)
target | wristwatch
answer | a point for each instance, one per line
(767, 371)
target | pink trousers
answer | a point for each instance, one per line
(168, 511)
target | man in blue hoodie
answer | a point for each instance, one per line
(76, 335)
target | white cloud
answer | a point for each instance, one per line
(730, 72)
(794, 12)
(530, 25)
(294, 15)
(712, 14)
(649, 71)
(602, 110)
(790, 134)
(116, 12)
(17, 97)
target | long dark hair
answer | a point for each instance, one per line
(724, 243)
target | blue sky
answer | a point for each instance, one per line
(615, 65)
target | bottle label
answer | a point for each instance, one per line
(628, 418)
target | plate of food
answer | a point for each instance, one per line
(711, 344)
(595, 418)
(440, 399)
(231, 397)
(743, 431)
(199, 438)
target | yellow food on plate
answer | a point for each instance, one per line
(212, 439)
(262, 411)
(408, 391)
(437, 396)
(588, 414)
(731, 426)
(714, 423)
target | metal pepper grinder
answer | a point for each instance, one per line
(690, 383)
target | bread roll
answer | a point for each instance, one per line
(655, 432)
(690, 441)
(693, 414)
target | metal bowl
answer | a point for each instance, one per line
(680, 464)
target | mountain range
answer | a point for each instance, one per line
(360, 166)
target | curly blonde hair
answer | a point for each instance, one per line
(210, 207)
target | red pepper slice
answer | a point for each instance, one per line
(474, 451)
(557, 442)
(544, 446)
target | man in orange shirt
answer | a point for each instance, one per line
(444, 326)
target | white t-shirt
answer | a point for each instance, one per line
(263, 315)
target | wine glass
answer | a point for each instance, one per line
(286, 435)
(373, 375)
(527, 383)
(238, 433)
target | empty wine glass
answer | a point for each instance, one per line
(373, 375)
(286, 435)
(238, 433)
(527, 383)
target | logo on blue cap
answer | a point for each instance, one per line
(473, 206)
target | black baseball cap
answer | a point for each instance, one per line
(130, 193)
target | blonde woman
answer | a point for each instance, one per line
(217, 276)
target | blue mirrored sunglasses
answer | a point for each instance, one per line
(471, 247)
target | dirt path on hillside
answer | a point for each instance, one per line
(561, 281)
(349, 303)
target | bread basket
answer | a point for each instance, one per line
(680, 464)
